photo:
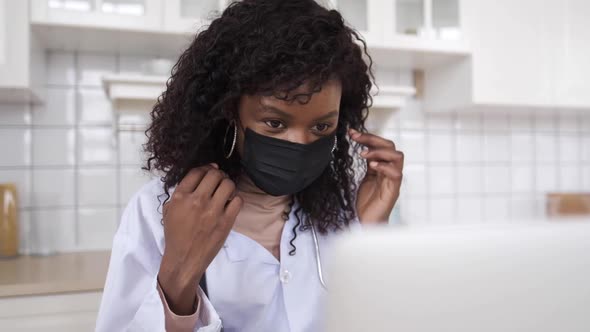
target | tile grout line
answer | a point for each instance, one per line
(485, 167)
(427, 166)
(557, 160)
(511, 120)
(579, 159)
(534, 190)
(485, 132)
(31, 184)
(76, 148)
(117, 148)
(486, 138)
(454, 165)
(480, 166)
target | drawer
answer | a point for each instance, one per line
(60, 312)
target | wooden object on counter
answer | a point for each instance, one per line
(62, 273)
(419, 83)
(8, 220)
(568, 204)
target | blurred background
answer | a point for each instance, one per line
(488, 99)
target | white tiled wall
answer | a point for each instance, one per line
(74, 175)
(484, 167)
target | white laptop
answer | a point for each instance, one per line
(462, 279)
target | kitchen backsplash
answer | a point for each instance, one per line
(75, 175)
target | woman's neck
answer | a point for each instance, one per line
(252, 195)
(262, 216)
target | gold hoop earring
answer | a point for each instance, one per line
(233, 145)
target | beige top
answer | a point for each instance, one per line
(261, 219)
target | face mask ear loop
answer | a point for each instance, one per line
(335, 145)
(332, 152)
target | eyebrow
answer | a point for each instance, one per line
(272, 109)
(332, 114)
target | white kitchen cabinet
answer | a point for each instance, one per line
(512, 50)
(187, 16)
(385, 21)
(143, 15)
(166, 27)
(71, 312)
(365, 16)
(517, 58)
(430, 20)
(445, 19)
(21, 58)
(410, 18)
(573, 61)
(407, 33)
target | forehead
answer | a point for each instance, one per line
(324, 101)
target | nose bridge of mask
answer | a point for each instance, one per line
(282, 143)
(279, 150)
(272, 154)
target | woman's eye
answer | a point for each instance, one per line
(322, 127)
(275, 124)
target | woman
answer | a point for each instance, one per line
(254, 139)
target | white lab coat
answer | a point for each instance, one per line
(249, 290)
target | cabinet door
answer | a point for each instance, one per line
(60, 312)
(66, 322)
(513, 46)
(425, 19)
(14, 44)
(3, 27)
(188, 16)
(409, 17)
(371, 18)
(573, 90)
(111, 14)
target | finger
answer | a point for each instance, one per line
(370, 140)
(387, 169)
(192, 179)
(223, 194)
(226, 222)
(209, 183)
(231, 212)
(383, 154)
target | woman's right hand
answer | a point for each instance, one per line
(197, 219)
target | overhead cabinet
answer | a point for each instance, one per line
(526, 55)
(21, 57)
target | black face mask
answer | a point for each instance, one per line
(281, 167)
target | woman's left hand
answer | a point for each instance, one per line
(379, 190)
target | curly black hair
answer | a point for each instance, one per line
(265, 47)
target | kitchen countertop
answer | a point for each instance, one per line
(62, 273)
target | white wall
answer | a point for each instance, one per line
(74, 179)
(74, 175)
(465, 168)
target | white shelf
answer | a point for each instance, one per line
(149, 88)
(134, 87)
(417, 53)
(399, 52)
(126, 90)
(391, 97)
(101, 40)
